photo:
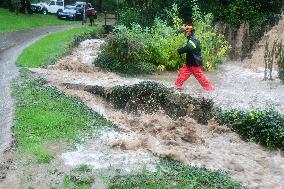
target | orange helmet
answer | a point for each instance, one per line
(187, 28)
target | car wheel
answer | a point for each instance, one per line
(59, 11)
(44, 11)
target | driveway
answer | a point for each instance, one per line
(11, 46)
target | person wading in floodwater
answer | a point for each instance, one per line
(193, 61)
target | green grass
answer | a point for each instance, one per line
(44, 116)
(48, 49)
(172, 174)
(12, 22)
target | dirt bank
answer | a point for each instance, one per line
(276, 33)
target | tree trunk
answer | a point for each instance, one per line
(25, 7)
(29, 6)
(22, 6)
(99, 5)
(10, 5)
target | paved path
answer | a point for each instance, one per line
(11, 45)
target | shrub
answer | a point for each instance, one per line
(214, 45)
(128, 16)
(257, 13)
(263, 126)
(142, 50)
(125, 53)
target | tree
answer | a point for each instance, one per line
(99, 5)
(25, 6)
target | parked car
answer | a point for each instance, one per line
(54, 6)
(70, 14)
(78, 5)
(74, 12)
(37, 7)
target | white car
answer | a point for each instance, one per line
(53, 7)
(37, 7)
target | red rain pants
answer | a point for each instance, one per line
(185, 73)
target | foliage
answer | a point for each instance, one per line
(44, 116)
(263, 126)
(79, 178)
(12, 22)
(257, 12)
(123, 52)
(142, 49)
(148, 10)
(130, 16)
(173, 174)
(214, 46)
(110, 5)
(48, 49)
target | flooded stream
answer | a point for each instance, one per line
(212, 146)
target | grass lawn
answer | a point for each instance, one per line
(48, 49)
(44, 115)
(12, 22)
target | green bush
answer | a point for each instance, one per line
(214, 45)
(138, 49)
(257, 13)
(124, 52)
(141, 50)
(263, 126)
(128, 16)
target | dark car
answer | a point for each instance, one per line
(74, 12)
(70, 14)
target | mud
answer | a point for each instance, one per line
(81, 58)
(276, 33)
(212, 146)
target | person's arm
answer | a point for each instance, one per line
(190, 46)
